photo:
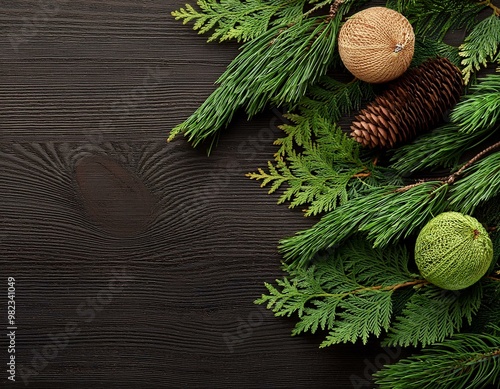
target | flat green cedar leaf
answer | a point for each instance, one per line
(236, 19)
(320, 315)
(347, 292)
(480, 46)
(324, 174)
(433, 314)
(361, 317)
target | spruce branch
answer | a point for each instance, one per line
(466, 361)
(474, 119)
(480, 109)
(452, 177)
(401, 6)
(442, 147)
(481, 182)
(279, 64)
(384, 213)
(427, 48)
(274, 67)
(450, 180)
(433, 19)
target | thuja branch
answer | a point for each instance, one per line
(381, 288)
(389, 213)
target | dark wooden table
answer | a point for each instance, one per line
(137, 262)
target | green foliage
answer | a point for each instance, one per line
(466, 361)
(278, 65)
(473, 120)
(433, 314)
(442, 147)
(489, 314)
(239, 20)
(433, 19)
(328, 100)
(390, 214)
(426, 48)
(481, 45)
(349, 274)
(385, 213)
(350, 292)
(287, 49)
(275, 67)
(327, 173)
(480, 109)
(400, 5)
(481, 183)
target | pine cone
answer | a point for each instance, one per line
(412, 104)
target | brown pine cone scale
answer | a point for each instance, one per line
(412, 104)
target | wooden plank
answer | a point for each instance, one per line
(137, 262)
(165, 300)
(124, 69)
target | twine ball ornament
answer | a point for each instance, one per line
(376, 45)
(453, 251)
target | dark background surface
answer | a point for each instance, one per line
(136, 261)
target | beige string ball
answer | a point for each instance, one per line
(376, 45)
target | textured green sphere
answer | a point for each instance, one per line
(453, 251)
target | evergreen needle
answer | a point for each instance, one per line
(466, 361)
(275, 67)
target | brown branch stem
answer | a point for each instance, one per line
(387, 288)
(488, 3)
(453, 177)
(334, 8)
(362, 175)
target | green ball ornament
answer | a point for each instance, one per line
(453, 251)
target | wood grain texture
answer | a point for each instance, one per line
(169, 305)
(137, 262)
